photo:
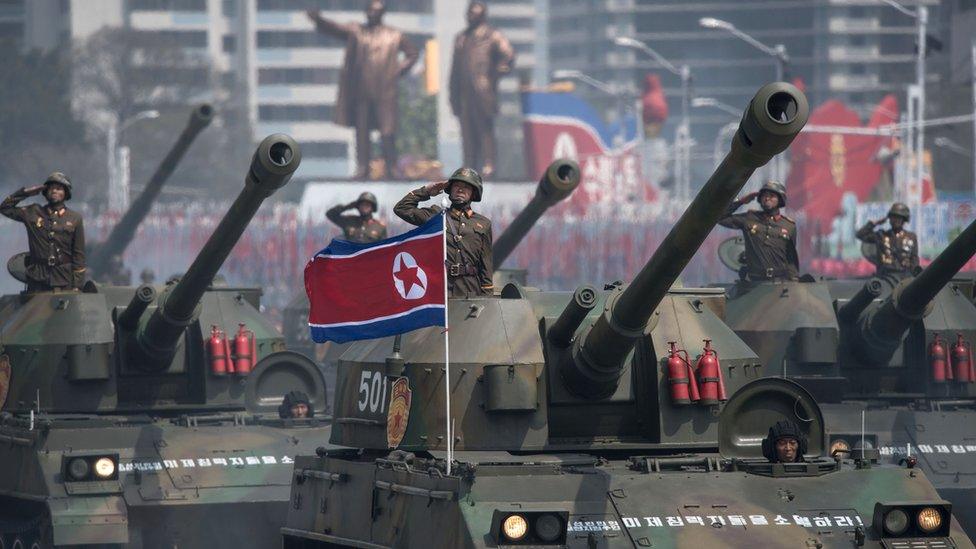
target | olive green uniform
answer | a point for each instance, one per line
(469, 239)
(897, 252)
(56, 244)
(356, 228)
(770, 243)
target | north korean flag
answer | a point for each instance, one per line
(388, 287)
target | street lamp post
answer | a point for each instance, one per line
(118, 165)
(777, 52)
(916, 133)
(682, 141)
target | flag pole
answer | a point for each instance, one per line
(447, 357)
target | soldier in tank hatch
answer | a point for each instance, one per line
(295, 405)
(785, 443)
(897, 247)
(770, 236)
(360, 227)
(469, 258)
(55, 235)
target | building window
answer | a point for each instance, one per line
(325, 149)
(511, 22)
(302, 75)
(229, 8)
(294, 113)
(229, 43)
(295, 39)
(412, 6)
(168, 5)
(179, 38)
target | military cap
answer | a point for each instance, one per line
(369, 197)
(775, 187)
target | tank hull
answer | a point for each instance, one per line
(614, 503)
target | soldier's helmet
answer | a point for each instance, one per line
(369, 197)
(291, 399)
(783, 429)
(60, 179)
(901, 210)
(469, 176)
(775, 187)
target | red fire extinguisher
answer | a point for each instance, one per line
(941, 372)
(710, 381)
(962, 363)
(244, 349)
(684, 389)
(218, 349)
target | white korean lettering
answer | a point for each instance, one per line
(924, 448)
(287, 459)
(716, 519)
(802, 521)
(268, 460)
(694, 520)
(204, 462)
(251, 460)
(958, 449)
(170, 464)
(843, 521)
(187, 463)
(942, 448)
(675, 521)
(631, 522)
(737, 520)
(654, 521)
(758, 520)
(822, 521)
(220, 461)
(781, 520)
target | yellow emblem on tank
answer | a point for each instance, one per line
(398, 413)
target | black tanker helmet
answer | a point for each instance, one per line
(369, 197)
(469, 176)
(774, 187)
(901, 210)
(60, 179)
(783, 429)
(291, 399)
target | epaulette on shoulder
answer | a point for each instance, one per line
(790, 219)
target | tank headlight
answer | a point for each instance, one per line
(896, 522)
(515, 527)
(839, 445)
(929, 520)
(78, 468)
(548, 527)
(104, 467)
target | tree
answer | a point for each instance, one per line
(38, 128)
(120, 72)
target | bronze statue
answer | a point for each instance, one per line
(482, 55)
(368, 82)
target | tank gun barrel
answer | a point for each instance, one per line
(881, 329)
(560, 180)
(273, 163)
(123, 232)
(770, 123)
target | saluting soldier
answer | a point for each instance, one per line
(469, 261)
(55, 236)
(897, 248)
(770, 236)
(360, 227)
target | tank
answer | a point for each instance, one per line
(867, 346)
(104, 258)
(558, 182)
(148, 417)
(566, 428)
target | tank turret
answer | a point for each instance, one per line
(149, 348)
(535, 361)
(560, 180)
(772, 120)
(878, 331)
(154, 340)
(100, 255)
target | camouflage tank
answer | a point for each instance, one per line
(558, 182)
(896, 349)
(101, 255)
(568, 429)
(143, 417)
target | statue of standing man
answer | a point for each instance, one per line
(368, 82)
(482, 55)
